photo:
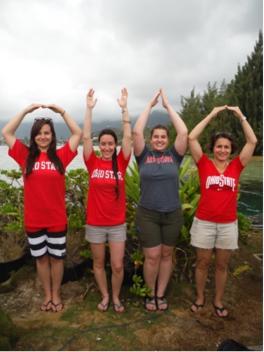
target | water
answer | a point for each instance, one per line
(251, 192)
(7, 163)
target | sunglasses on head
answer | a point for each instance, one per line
(218, 134)
(44, 119)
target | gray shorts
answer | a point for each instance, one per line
(101, 234)
(208, 235)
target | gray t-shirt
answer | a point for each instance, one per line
(159, 180)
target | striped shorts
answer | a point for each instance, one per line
(43, 242)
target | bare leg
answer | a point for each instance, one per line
(203, 258)
(44, 275)
(151, 269)
(164, 275)
(98, 252)
(117, 251)
(57, 269)
(221, 264)
(165, 269)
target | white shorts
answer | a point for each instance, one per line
(208, 235)
(100, 234)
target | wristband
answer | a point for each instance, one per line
(62, 113)
(243, 118)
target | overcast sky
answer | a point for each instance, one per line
(52, 51)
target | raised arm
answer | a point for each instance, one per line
(10, 128)
(76, 132)
(87, 125)
(138, 130)
(194, 144)
(251, 139)
(126, 140)
(180, 143)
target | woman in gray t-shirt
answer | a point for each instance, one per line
(159, 216)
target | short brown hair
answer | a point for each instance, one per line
(160, 127)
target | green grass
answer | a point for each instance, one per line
(253, 171)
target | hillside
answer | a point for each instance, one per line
(63, 132)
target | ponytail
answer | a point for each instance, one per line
(115, 169)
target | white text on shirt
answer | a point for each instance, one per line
(221, 181)
(107, 174)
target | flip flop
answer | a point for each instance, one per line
(118, 308)
(56, 308)
(160, 302)
(197, 306)
(150, 301)
(103, 307)
(219, 310)
(44, 306)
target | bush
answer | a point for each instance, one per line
(189, 195)
(12, 239)
(11, 217)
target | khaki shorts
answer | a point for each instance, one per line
(208, 235)
(101, 234)
(155, 228)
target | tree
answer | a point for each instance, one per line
(190, 113)
(246, 91)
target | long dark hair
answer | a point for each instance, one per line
(222, 134)
(34, 150)
(110, 132)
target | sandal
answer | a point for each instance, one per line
(161, 301)
(219, 311)
(118, 308)
(56, 308)
(198, 307)
(45, 307)
(150, 301)
(103, 307)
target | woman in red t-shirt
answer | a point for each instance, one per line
(215, 222)
(106, 204)
(43, 167)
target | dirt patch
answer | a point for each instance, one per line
(81, 327)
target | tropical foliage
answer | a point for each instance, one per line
(11, 219)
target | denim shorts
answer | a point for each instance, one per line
(208, 235)
(102, 234)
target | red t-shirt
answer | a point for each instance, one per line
(218, 202)
(103, 208)
(44, 188)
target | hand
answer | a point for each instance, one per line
(32, 107)
(123, 99)
(54, 108)
(155, 99)
(165, 100)
(217, 110)
(90, 101)
(235, 109)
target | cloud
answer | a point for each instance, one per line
(54, 50)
